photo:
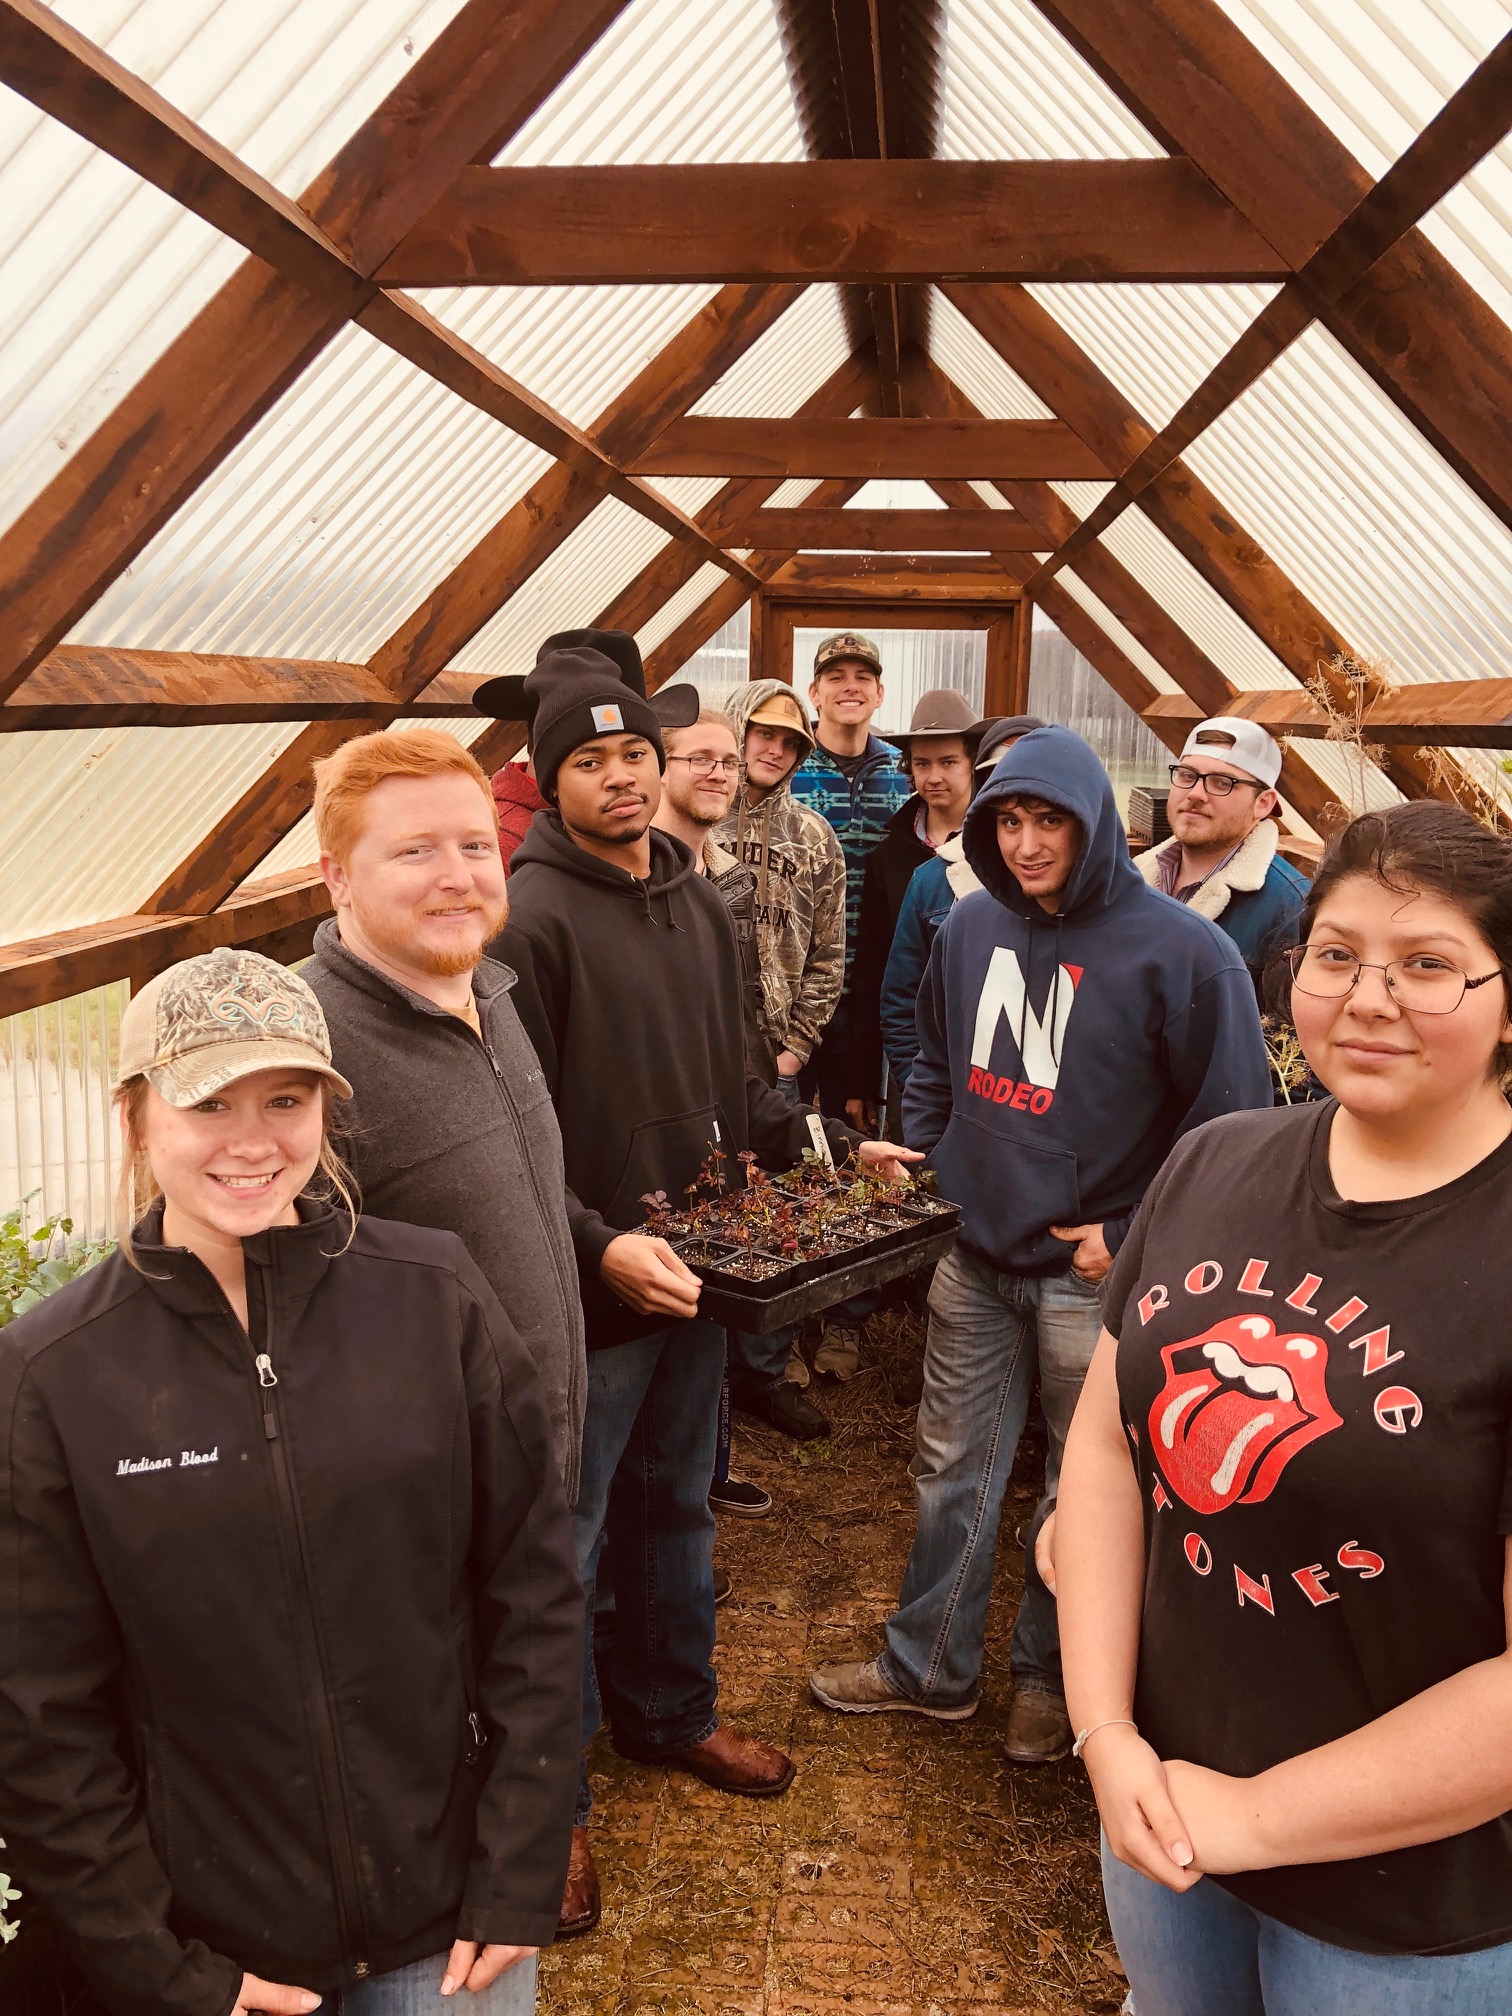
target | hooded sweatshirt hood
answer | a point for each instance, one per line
(1062, 1054)
(631, 994)
(1059, 767)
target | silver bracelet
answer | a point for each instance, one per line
(1113, 1722)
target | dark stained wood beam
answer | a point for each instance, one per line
(707, 446)
(1467, 126)
(1420, 329)
(872, 222)
(151, 136)
(805, 528)
(488, 69)
(477, 587)
(924, 577)
(34, 971)
(674, 567)
(91, 686)
(1202, 529)
(1124, 598)
(1460, 713)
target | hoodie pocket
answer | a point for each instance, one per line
(1011, 1191)
(667, 1155)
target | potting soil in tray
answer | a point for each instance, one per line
(764, 1244)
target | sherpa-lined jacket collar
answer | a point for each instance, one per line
(1244, 871)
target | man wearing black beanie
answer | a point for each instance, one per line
(629, 987)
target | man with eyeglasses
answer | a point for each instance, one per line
(1221, 858)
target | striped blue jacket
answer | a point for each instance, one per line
(858, 808)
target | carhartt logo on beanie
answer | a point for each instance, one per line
(576, 694)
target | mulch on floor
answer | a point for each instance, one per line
(911, 1870)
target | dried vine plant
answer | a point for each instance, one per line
(1344, 692)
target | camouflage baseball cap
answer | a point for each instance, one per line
(848, 644)
(209, 1021)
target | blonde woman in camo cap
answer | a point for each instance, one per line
(290, 1620)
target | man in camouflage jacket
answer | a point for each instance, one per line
(800, 876)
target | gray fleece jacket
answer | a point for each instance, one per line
(444, 1130)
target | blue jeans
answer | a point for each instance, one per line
(1204, 1952)
(649, 1436)
(985, 1332)
(416, 1991)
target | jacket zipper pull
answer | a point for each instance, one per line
(480, 1740)
(267, 1378)
(493, 1061)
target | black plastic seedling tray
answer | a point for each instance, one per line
(810, 1285)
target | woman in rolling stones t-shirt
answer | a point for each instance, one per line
(1285, 1621)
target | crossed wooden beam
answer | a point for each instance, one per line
(1256, 187)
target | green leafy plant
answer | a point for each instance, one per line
(34, 1263)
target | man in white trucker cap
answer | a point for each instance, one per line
(1221, 857)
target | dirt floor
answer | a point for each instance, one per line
(910, 1871)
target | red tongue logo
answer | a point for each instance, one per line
(1240, 1400)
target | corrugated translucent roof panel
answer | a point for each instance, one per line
(1472, 227)
(331, 521)
(689, 493)
(1368, 520)
(99, 271)
(1158, 341)
(284, 83)
(671, 80)
(569, 591)
(1199, 609)
(1374, 71)
(688, 598)
(1013, 89)
(92, 820)
(718, 667)
(976, 368)
(787, 363)
(1124, 638)
(1082, 498)
(576, 348)
(792, 492)
(896, 493)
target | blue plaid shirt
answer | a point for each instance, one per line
(858, 808)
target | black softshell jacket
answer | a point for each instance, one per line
(290, 1623)
(630, 992)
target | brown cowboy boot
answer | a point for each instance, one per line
(581, 1903)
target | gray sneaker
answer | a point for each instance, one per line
(1038, 1730)
(862, 1688)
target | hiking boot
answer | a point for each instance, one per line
(1038, 1729)
(839, 1352)
(796, 1371)
(738, 1497)
(862, 1688)
(784, 1408)
(581, 1905)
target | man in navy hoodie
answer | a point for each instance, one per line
(1073, 1022)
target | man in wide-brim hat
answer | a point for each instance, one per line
(936, 756)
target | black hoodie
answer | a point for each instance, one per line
(630, 991)
(290, 1621)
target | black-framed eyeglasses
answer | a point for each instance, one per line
(1218, 783)
(705, 766)
(1423, 982)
